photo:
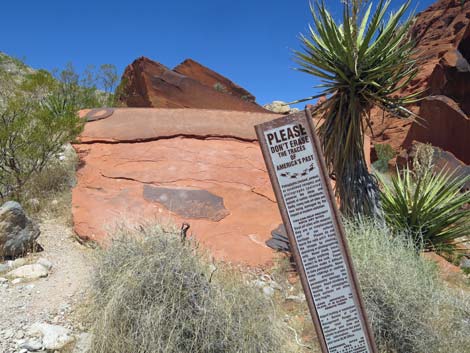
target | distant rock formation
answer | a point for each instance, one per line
(147, 83)
(443, 36)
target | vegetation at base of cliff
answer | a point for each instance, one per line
(362, 62)
(384, 154)
(429, 206)
(38, 118)
(154, 292)
(409, 307)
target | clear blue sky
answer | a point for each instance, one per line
(249, 41)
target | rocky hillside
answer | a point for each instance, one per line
(442, 33)
(15, 69)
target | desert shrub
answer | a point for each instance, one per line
(154, 293)
(82, 91)
(32, 133)
(219, 87)
(423, 159)
(409, 308)
(363, 58)
(428, 206)
(38, 117)
(48, 192)
(384, 154)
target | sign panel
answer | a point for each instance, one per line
(298, 174)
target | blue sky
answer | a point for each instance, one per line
(249, 41)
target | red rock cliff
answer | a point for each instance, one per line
(443, 36)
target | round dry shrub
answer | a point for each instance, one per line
(155, 293)
(409, 307)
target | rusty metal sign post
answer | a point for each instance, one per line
(299, 177)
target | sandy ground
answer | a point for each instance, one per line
(51, 299)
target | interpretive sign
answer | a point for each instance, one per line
(298, 174)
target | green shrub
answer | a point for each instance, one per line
(384, 154)
(429, 208)
(219, 87)
(38, 116)
(363, 58)
(154, 293)
(410, 310)
(32, 133)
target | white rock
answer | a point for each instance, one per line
(8, 333)
(19, 334)
(3, 280)
(268, 291)
(33, 271)
(53, 337)
(259, 284)
(296, 298)
(17, 263)
(17, 281)
(32, 345)
(4, 268)
(44, 262)
(278, 107)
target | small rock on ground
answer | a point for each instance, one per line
(53, 337)
(33, 271)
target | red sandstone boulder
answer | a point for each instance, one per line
(212, 79)
(451, 78)
(146, 83)
(203, 167)
(443, 125)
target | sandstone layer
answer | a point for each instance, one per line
(202, 167)
(147, 83)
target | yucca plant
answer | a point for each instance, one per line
(362, 63)
(431, 207)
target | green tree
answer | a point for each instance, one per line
(363, 63)
(38, 116)
(109, 79)
(32, 132)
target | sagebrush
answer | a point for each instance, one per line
(154, 293)
(409, 307)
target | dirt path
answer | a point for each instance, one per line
(46, 300)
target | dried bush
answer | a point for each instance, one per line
(410, 309)
(153, 293)
(423, 159)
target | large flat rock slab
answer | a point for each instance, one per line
(142, 124)
(172, 166)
